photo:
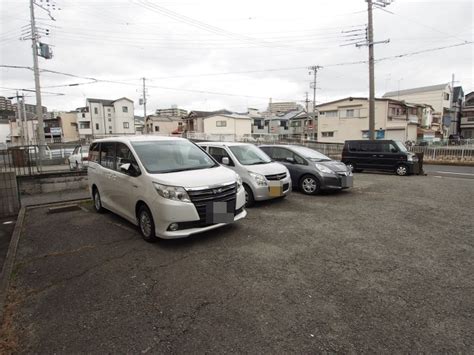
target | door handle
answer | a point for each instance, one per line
(381, 155)
(374, 155)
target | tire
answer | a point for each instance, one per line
(146, 224)
(401, 170)
(97, 201)
(249, 199)
(309, 185)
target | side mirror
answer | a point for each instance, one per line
(125, 167)
(225, 161)
(290, 160)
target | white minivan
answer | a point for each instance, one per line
(167, 186)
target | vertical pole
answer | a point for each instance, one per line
(371, 73)
(25, 118)
(314, 101)
(144, 100)
(39, 106)
(19, 118)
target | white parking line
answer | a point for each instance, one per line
(449, 172)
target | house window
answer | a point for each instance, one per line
(110, 127)
(221, 123)
(327, 134)
(350, 113)
(470, 119)
(446, 96)
(83, 115)
(329, 113)
(110, 119)
(84, 125)
(126, 125)
(96, 110)
(124, 109)
(108, 109)
(109, 115)
(157, 128)
(97, 126)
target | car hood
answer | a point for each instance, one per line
(334, 165)
(202, 178)
(267, 169)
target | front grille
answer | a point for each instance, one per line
(276, 177)
(286, 187)
(200, 198)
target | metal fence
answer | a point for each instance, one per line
(463, 154)
(34, 159)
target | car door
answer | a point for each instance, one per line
(296, 167)
(367, 156)
(126, 183)
(389, 156)
(72, 157)
(106, 173)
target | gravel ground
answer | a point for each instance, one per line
(384, 267)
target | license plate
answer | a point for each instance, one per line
(220, 212)
(347, 181)
(275, 188)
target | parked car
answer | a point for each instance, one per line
(385, 155)
(455, 139)
(262, 178)
(310, 170)
(167, 186)
(79, 157)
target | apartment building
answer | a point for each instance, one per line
(347, 119)
(174, 111)
(106, 117)
(437, 96)
(467, 119)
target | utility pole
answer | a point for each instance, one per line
(25, 118)
(314, 70)
(39, 106)
(370, 43)
(370, 34)
(144, 100)
(19, 119)
(306, 101)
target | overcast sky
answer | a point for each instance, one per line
(246, 50)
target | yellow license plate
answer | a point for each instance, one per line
(275, 189)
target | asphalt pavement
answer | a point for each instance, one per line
(465, 172)
(385, 267)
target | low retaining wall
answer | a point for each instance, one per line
(52, 182)
(9, 197)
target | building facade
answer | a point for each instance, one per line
(439, 97)
(228, 125)
(174, 111)
(163, 125)
(347, 119)
(467, 119)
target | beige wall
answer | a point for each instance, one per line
(123, 118)
(69, 126)
(433, 98)
(235, 126)
(164, 127)
(344, 127)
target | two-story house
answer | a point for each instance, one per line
(348, 119)
(437, 96)
(163, 125)
(227, 126)
(194, 121)
(467, 119)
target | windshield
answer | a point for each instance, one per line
(171, 156)
(311, 154)
(250, 155)
(401, 147)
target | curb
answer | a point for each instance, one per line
(9, 263)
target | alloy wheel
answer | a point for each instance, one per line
(402, 170)
(309, 185)
(145, 224)
(97, 202)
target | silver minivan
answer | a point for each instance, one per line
(262, 178)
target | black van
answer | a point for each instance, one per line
(385, 155)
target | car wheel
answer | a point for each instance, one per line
(402, 170)
(309, 185)
(97, 201)
(249, 199)
(146, 224)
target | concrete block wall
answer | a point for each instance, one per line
(9, 198)
(54, 182)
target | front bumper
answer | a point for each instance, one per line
(261, 193)
(185, 214)
(336, 181)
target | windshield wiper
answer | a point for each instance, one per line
(260, 162)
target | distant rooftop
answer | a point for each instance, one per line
(415, 90)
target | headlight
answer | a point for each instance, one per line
(324, 169)
(259, 179)
(175, 193)
(239, 181)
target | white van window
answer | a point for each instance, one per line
(107, 155)
(125, 156)
(94, 152)
(171, 156)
